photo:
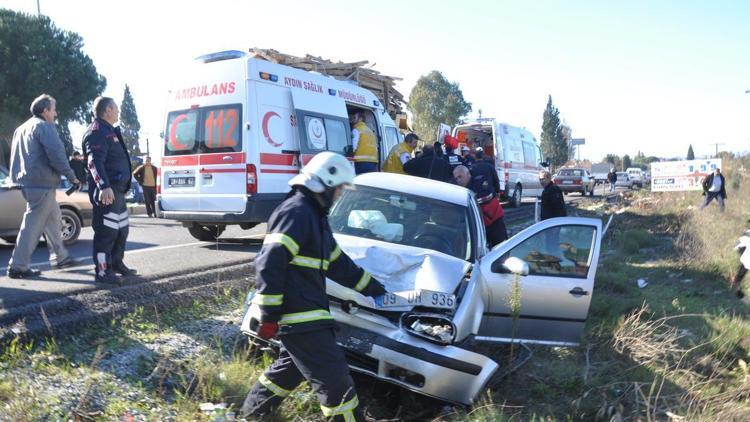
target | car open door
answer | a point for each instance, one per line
(554, 263)
(323, 124)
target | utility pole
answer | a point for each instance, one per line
(38, 9)
(716, 144)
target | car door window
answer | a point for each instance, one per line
(561, 251)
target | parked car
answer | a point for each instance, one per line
(624, 180)
(575, 180)
(636, 175)
(425, 241)
(76, 210)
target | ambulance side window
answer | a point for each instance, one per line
(323, 133)
(181, 136)
(337, 139)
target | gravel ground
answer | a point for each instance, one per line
(48, 386)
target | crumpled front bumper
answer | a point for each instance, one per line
(375, 346)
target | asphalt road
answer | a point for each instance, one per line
(157, 249)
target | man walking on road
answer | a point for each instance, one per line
(109, 179)
(298, 253)
(145, 175)
(714, 187)
(37, 160)
(612, 179)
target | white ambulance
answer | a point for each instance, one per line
(516, 154)
(237, 128)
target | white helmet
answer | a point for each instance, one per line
(325, 170)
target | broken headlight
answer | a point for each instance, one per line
(433, 327)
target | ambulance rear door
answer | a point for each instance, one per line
(322, 121)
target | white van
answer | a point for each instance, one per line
(237, 128)
(636, 175)
(518, 158)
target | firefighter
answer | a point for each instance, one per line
(400, 154)
(108, 162)
(365, 145)
(298, 253)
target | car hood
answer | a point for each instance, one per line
(400, 268)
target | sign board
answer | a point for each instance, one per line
(577, 141)
(442, 131)
(672, 176)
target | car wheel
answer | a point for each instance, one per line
(9, 239)
(206, 233)
(71, 226)
(516, 200)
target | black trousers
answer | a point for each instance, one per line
(149, 195)
(313, 356)
(111, 226)
(496, 232)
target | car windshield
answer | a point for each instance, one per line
(404, 219)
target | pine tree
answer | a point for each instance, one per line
(129, 124)
(553, 144)
(690, 154)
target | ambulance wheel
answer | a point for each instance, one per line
(515, 200)
(206, 233)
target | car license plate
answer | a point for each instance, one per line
(182, 181)
(420, 297)
(567, 182)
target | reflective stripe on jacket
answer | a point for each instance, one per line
(298, 253)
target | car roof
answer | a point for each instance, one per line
(419, 186)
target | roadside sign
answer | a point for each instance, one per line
(675, 176)
(577, 141)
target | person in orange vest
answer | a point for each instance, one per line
(365, 145)
(400, 154)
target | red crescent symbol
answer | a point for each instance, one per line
(317, 130)
(173, 133)
(267, 135)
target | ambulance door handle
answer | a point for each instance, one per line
(227, 158)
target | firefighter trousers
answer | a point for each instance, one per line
(111, 225)
(313, 356)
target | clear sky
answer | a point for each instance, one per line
(652, 76)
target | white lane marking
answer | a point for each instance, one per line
(136, 251)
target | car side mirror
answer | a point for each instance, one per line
(516, 266)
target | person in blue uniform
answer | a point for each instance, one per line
(109, 167)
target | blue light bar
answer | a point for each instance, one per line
(220, 55)
(331, 91)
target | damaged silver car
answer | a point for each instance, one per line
(447, 292)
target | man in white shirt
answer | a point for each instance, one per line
(714, 187)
